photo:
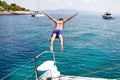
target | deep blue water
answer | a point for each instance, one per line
(91, 46)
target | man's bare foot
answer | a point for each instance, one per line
(51, 48)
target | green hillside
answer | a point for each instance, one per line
(12, 7)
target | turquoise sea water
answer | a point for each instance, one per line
(91, 46)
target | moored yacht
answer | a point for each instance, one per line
(107, 15)
(37, 14)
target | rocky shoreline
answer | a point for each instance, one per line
(16, 12)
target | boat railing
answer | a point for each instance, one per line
(35, 62)
(44, 53)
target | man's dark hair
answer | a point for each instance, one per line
(60, 19)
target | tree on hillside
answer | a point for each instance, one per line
(14, 7)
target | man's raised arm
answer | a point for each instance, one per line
(70, 17)
(53, 19)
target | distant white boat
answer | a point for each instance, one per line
(36, 14)
(107, 15)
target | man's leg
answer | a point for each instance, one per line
(51, 42)
(61, 42)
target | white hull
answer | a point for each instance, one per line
(37, 15)
(78, 78)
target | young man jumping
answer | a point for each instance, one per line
(57, 33)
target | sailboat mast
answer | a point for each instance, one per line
(38, 5)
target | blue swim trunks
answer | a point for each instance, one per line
(58, 32)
